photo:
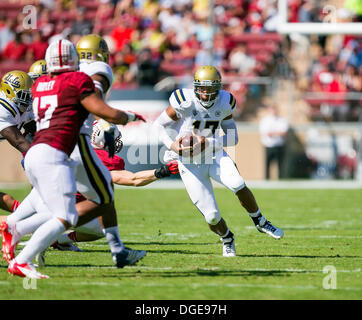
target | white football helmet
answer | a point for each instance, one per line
(97, 140)
(61, 56)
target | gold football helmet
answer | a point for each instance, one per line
(37, 69)
(207, 84)
(16, 85)
(92, 48)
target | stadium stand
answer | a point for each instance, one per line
(178, 35)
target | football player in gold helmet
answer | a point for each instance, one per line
(205, 112)
(92, 47)
(16, 86)
(207, 85)
(37, 69)
(15, 98)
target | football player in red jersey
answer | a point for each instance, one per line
(62, 101)
(93, 230)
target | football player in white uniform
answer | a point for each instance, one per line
(204, 113)
(16, 118)
(37, 69)
(93, 57)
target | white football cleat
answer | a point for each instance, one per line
(264, 226)
(25, 270)
(228, 247)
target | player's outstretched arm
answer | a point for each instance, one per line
(94, 104)
(145, 177)
(15, 138)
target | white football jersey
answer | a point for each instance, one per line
(92, 68)
(194, 118)
(10, 115)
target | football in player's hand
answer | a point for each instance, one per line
(187, 141)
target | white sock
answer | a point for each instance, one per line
(29, 225)
(113, 239)
(254, 214)
(24, 210)
(42, 238)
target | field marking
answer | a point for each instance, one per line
(197, 285)
(226, 270)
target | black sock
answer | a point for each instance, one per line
(256, 219)
(229, 235)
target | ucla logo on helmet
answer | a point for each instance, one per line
(13, 80)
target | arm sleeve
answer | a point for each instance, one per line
(230, 138)
(162, 122)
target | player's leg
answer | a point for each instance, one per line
(7, 202)
(95, 183)
(201, 193)
(90, 231)
(52, 176)
(225, 172)
(10, 231)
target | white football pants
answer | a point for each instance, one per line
(50, 171)
(93, 179)
(196, 178)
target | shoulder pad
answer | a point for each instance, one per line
(10, 107)
(97, 67)
(179, 96)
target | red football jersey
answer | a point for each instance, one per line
(115, 163)
(57, 109)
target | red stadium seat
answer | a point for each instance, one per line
(269, 46)
(6, 66)
(262, 37)
(176, 69)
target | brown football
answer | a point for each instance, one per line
(187, 141)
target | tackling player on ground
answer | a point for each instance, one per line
(203, 112)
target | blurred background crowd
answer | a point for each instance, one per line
(150, 40)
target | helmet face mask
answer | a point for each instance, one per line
(16, 85)
(118, 143)
(23, 99)
(92, 48)
(207, 85)
(61, 56)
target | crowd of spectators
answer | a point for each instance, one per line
(151, 39)
(334, 72)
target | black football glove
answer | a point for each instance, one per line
(166, 170)
(109, 144)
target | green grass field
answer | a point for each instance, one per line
(184, 259)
